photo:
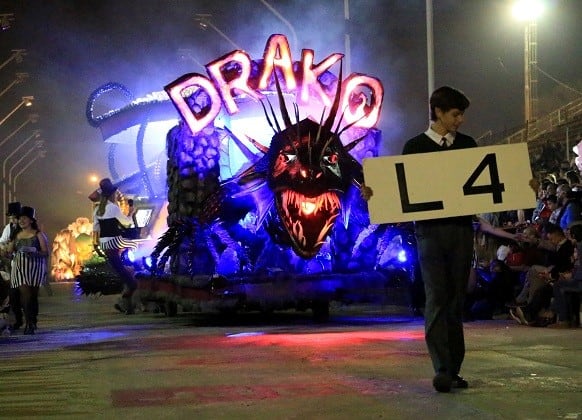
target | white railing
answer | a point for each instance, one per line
(534, 129)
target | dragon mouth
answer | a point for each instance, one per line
(307, 220)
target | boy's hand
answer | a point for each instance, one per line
(366, 192)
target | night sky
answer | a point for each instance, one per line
(75, 46)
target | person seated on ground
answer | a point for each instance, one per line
(476, 304)
(486, 244)
(529, 252)
(524, 255)
(493, 289)
(503, 281)
(561, 308)
(559, 258)
(537, 290)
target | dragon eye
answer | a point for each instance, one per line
(331, 159)
(289, 157)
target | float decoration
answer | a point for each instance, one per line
(288, 228)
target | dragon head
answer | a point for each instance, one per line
(309, 171)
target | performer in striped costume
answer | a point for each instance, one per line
(108, 222)
(29, 265)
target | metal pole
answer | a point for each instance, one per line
(36, 134)
(568, 144)
(530, 71)
(526, 76)
(12, 112)
(30, 162)
(15, 164)
(347, 40)
(204, 19)
(429, 47)
(26, 100)
(19, 78)
(17, 55)
(31, 118)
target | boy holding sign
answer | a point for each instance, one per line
(445, 248)
(444, 245)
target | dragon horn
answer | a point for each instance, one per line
(332, 113)
(243, 148)
(278, 130)
(354, 143)
(284, 112)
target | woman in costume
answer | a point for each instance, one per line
(108, 223)
(29, 265)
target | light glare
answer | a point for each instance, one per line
(527, 10)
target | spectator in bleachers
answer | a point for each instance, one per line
(553, 204)
(573, 178)
(562, 181)
(570, 212)
(542, 212)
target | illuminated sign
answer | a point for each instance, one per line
(236, 74)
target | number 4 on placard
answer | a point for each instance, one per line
(495, 188)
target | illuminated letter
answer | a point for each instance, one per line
(178, 86)
(277, 54)
(355, 104)
(227, 83)
(311, 73)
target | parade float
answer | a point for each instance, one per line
(260, 207)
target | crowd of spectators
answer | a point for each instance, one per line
(536, 279)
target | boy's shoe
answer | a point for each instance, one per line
(442, 382)
(459, 382)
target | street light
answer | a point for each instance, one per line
(19, 78)
(16, 55)
(26, 101)
(38, 145)
(41, 154)
(32, 118)
(35, 134)
(529, 11)
(204, 22)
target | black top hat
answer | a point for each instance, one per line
(107, 187)
(28, 212)
(13, 209)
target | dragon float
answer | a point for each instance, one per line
(288, 228)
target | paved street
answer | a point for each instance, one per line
(88, 361)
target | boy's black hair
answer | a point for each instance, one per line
(446, 98)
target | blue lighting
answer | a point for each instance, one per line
(402, 257)
(128, 257)
(147, 262)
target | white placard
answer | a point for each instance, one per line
(452, 183)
